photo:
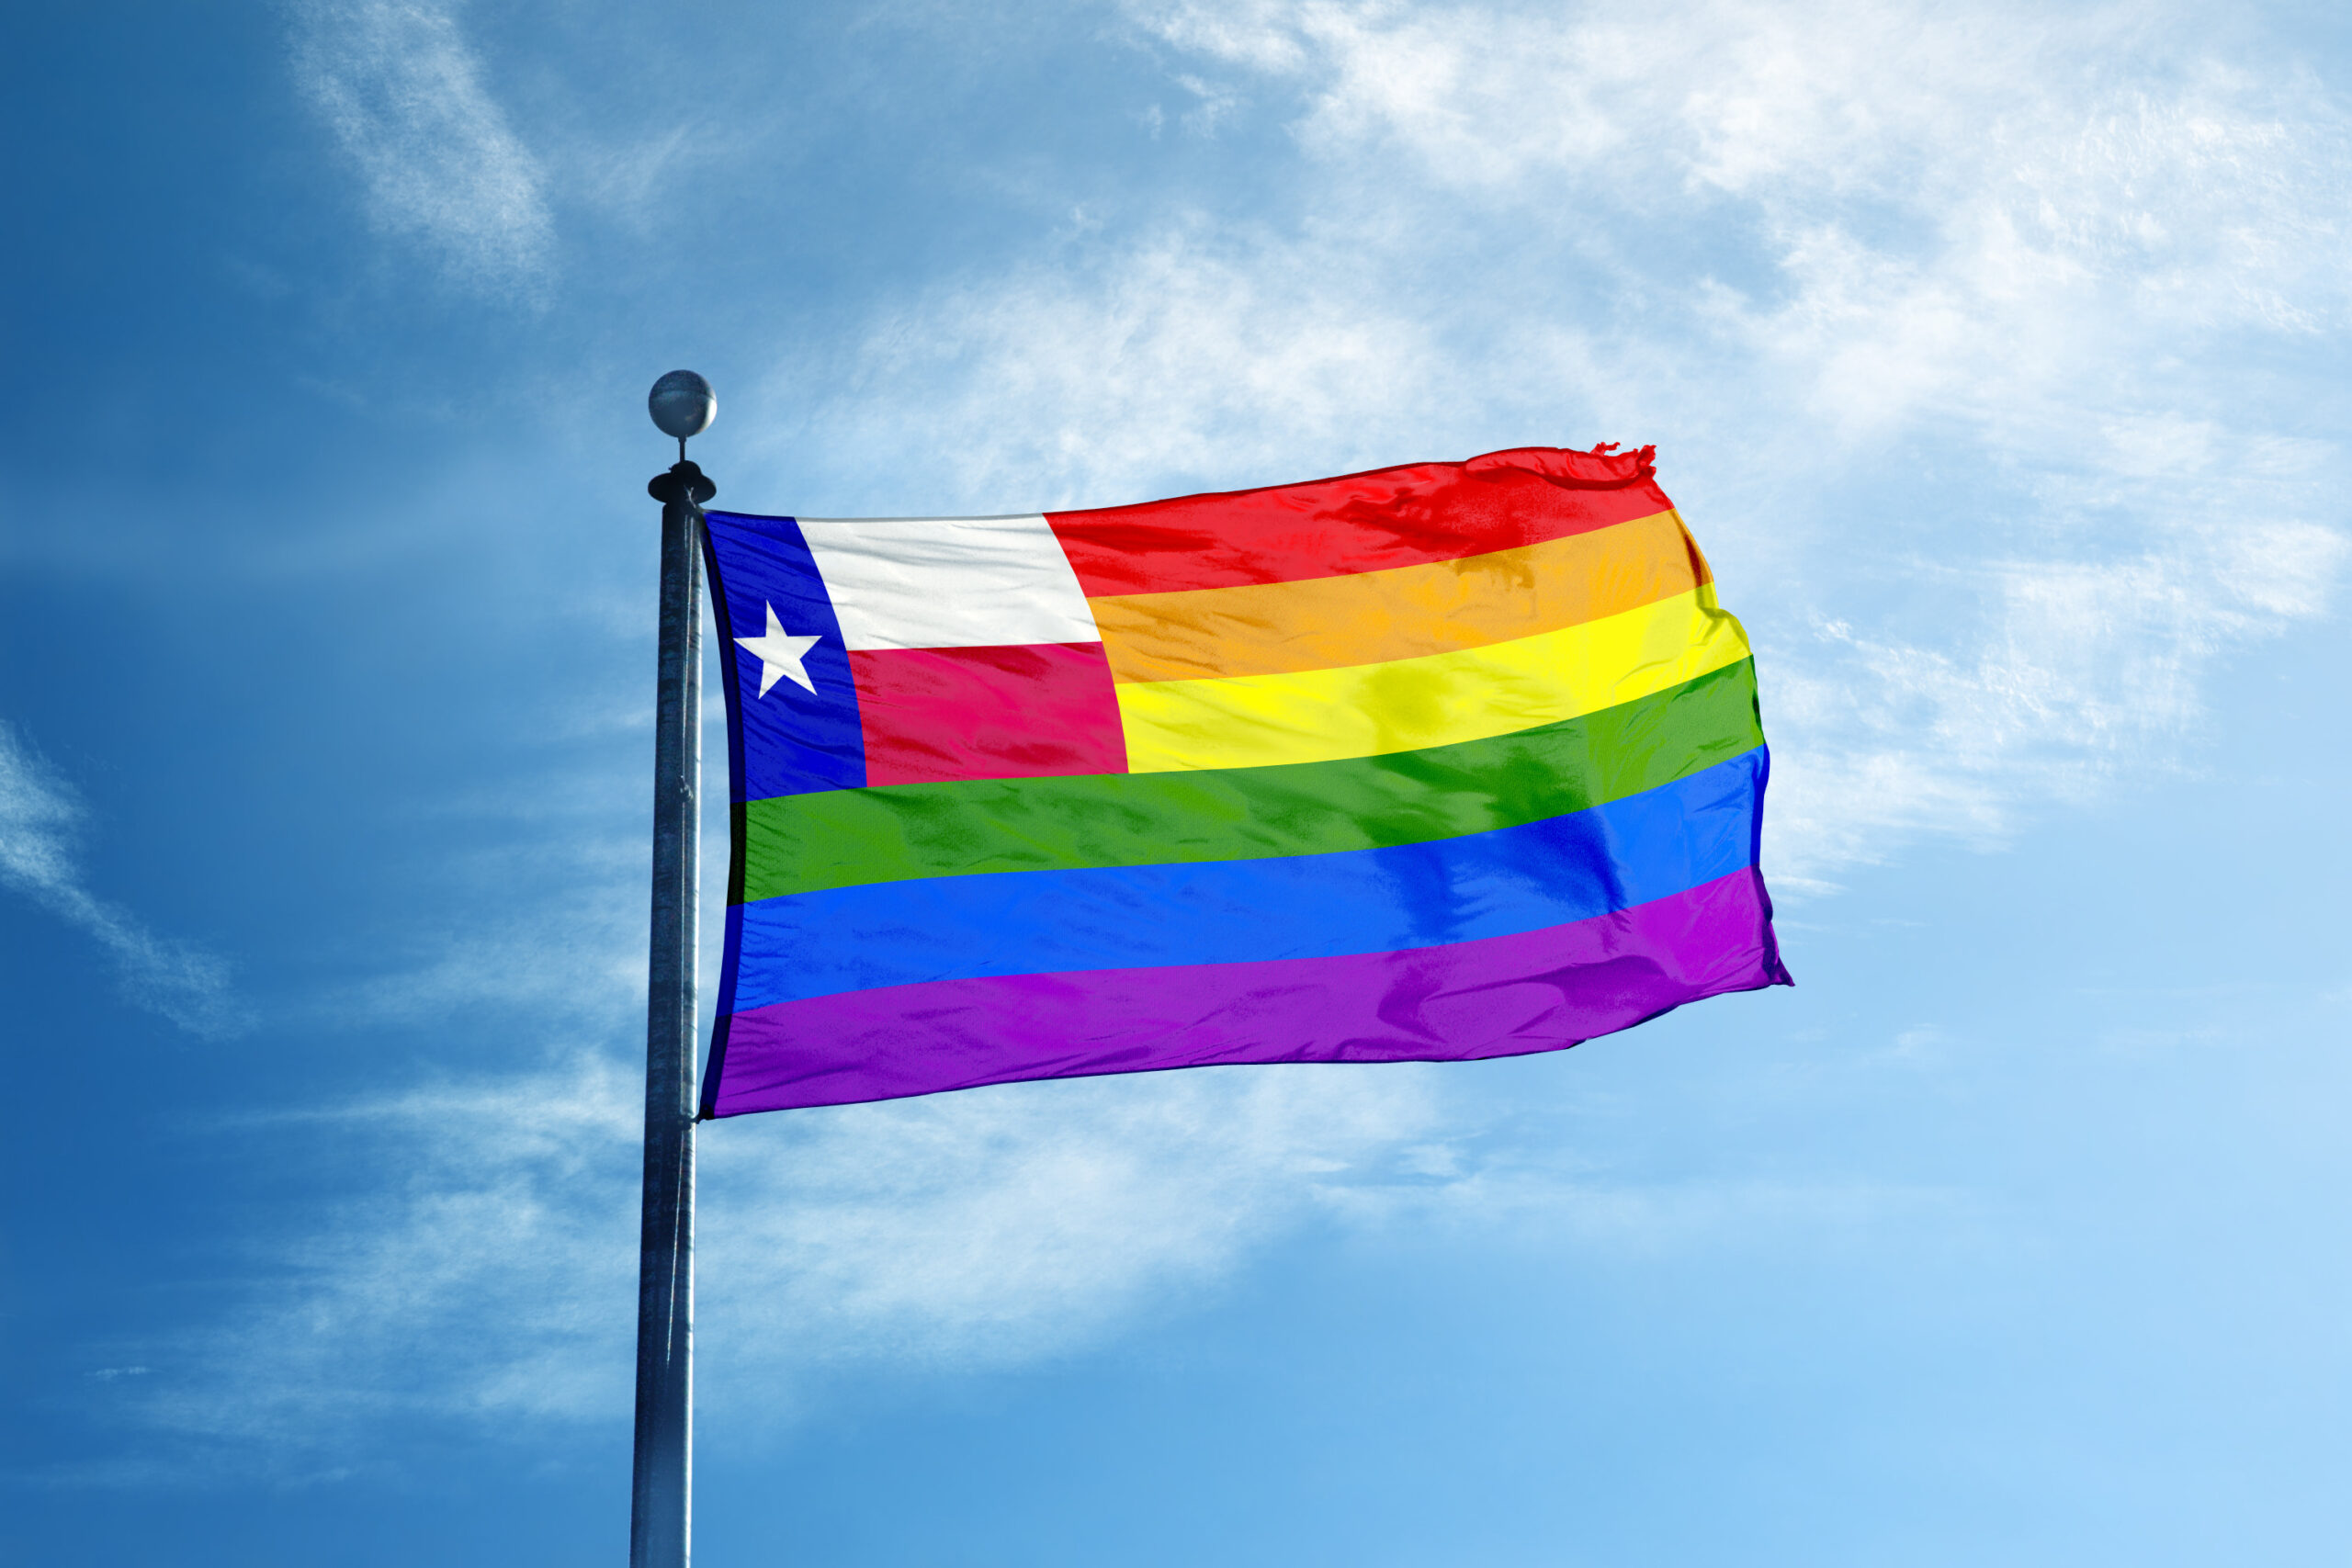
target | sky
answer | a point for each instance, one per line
(1996, 354)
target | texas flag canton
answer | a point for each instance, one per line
(911, 651)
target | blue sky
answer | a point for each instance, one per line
(1995, 354)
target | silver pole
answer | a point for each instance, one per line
(660, 1511)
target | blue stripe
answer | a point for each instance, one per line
(1501, 882)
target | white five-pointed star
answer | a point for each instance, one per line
(779, 654)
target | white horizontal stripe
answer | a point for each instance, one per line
(948, 581)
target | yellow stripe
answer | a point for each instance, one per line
(1366, 710)
(1405, 612)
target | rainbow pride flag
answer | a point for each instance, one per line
(1443, 762)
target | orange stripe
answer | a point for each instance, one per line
(1407, 611)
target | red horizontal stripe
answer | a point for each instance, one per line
(1390, 517)
(937, 714)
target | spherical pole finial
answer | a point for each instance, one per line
(683, 404)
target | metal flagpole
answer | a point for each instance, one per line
(661, 1503)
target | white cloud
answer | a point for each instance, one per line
(487, 1274)
(2044, 256)
(38, 815)
(403, 94)
(1187, 352)
(980, 1228)
(487, 1280)
(491, 1275)
(2073, 670)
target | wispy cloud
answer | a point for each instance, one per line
(2073, 670)
(980, 1229)
(491, 1277)
(38, 819)
(404, 94)
(1190, 350)
(486, 1283)
(1969, 340)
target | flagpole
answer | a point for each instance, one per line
(661, 1503)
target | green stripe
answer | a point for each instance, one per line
(800, 842)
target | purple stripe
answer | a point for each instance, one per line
(1500, 996)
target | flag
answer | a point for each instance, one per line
(1433, 763)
